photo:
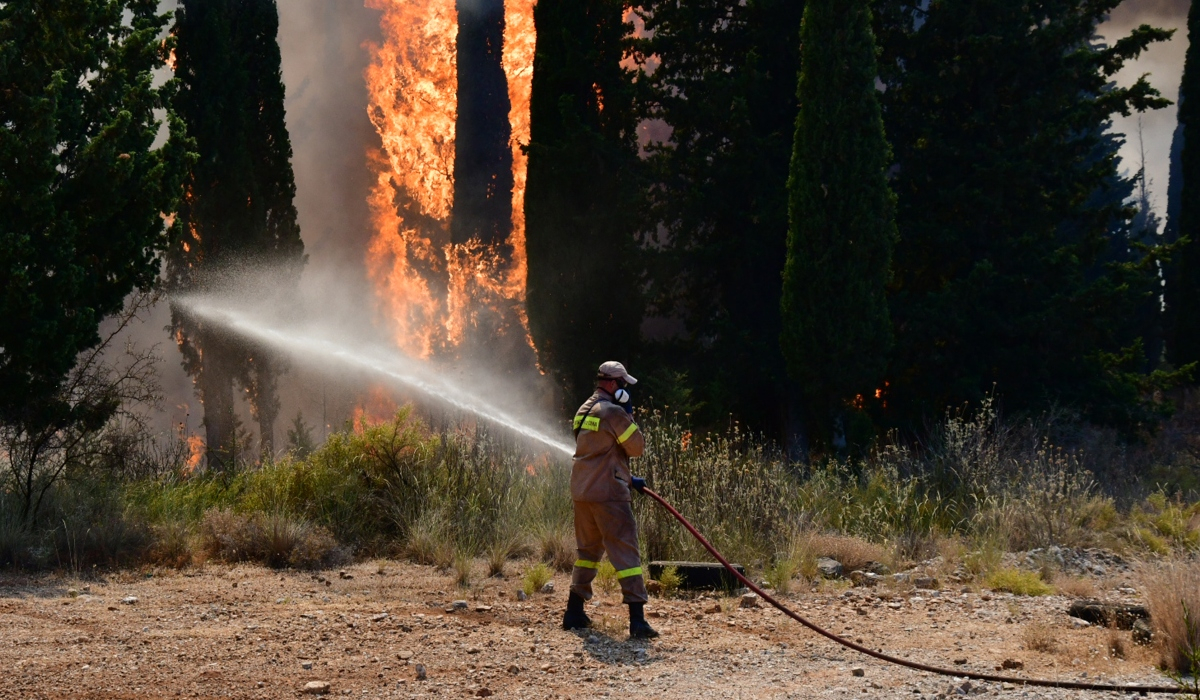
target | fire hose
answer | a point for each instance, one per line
(1075, 685)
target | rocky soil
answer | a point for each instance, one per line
(393, 630)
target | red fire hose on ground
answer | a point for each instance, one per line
(892, 659)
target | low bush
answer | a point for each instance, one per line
(1018, 582)
(1039, 636)
(277, 540)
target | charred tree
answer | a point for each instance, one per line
(238, 212)
(483, 177)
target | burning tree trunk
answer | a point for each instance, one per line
(483, 173)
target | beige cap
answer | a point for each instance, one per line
(614, 370)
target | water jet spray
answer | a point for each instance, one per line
(385, 363)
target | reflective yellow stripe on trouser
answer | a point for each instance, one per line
(627, 434)
(585, 564)
(626, 573)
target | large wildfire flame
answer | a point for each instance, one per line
(432, 290)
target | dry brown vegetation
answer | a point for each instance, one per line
(1173, 596)
(1039, 637)
(1075, 586)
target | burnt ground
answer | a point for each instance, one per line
(249, 632)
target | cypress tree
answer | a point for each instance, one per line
(1184, 295)
(239, 209)
(582, 197)
(721, 74)
(1013, 272)
(836, 330)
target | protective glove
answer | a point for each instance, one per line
(638, 483)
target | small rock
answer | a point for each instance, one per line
(483, 608)
(473, 650)
(514, 669)
(459, 605)
(547, 668)
(960, 661)
(129, 600)
(749, 600)
(316, 688)
(379, 618)
(926, 583)
(1143, 634)
(857, 672)
(878, 568)
(345, 575)
(548, 588)
(421, 673)
(306, 665)
(1079, 624)
(521, 595)
(404, 655)
(830, 568)
(1011, 665)
(713, 609)
(654, 587)
(483, 693)
(1007, 686)
(72, 592)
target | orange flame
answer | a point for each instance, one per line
(430, 289)
(195, 445)
(377, 407)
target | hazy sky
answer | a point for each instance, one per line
(1164, 63)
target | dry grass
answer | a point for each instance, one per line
(173, 545)
(1039, 637)
(464, 572)
(854, 553)
(277, 540)
(1075, 587)
(1116, 645)
(1171, 590)
(557, 547)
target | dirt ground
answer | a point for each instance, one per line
(249, 632)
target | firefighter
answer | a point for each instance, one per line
(605, 438)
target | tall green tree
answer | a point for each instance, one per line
(836, 330)
(1008, 273)
(582, 199)
(721, 77)
(83, 189)
(1183, 296)
(238, 213)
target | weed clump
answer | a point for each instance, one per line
(535, 578)
(1018, 582)
(1039, 637)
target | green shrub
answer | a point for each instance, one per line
(1018, 582)
(670, 580)
(606, 577)
(535, 578)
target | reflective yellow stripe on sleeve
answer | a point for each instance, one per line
(626, 573)
(591, 423)
(578, 420)
(585, 564)
(627, 434)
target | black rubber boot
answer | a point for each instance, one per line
(638, 627)
(575, 618)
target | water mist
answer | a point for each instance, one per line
(305, 343)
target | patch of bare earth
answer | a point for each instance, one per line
(248, 632)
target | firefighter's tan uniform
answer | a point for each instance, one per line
(600, 478)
